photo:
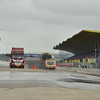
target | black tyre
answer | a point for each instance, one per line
(10, 66)
(22, 67)
(54, 68)
(46, 68)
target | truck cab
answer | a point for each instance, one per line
(50, 63)
(17, 58)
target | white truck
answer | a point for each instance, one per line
(50, 64)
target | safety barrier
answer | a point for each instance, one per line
(4, 63)
(81, 70)
(65, 64)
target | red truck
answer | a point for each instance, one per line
(17, 57)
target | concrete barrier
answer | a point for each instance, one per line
(4, 63)
(81, 70)
(26, 66)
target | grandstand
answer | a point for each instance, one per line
(85, 45)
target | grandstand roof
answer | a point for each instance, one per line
(84, 41)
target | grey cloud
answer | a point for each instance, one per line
(38, 25)
(69, 7)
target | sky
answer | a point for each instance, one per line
(39, 25)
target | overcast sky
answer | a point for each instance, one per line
(39, 25)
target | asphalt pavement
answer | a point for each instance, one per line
(41, 84)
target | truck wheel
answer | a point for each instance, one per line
(10, 66)
(22, 66)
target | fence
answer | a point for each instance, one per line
(80, 65)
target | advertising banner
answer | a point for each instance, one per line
(91, 60)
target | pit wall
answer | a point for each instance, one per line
(87, 68)
(4, 64)
(87, 65)
(80, 65)
(81, 70)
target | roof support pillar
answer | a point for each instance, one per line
(85, 49)
(92, 48)
(82, 51)
(98, 45)
(95, 47)
(89, 48)
(78, 51)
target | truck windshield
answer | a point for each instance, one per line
(50, 63)
(17, 55)
(46, 57)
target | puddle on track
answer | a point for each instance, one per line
(79, 80)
